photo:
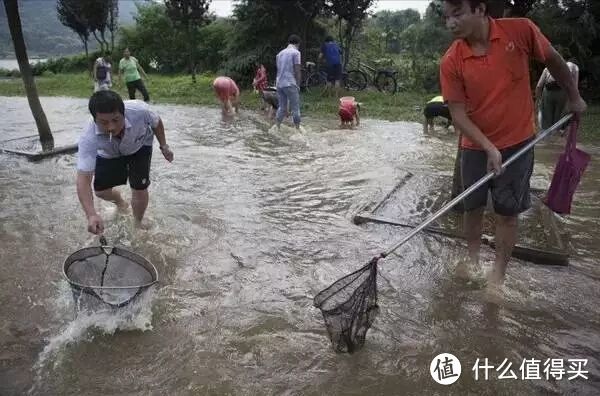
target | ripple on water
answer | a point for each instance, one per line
(245, 227)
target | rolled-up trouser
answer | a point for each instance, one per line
(139, 85)
(289, 94)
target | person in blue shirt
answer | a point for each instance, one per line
(330, 50)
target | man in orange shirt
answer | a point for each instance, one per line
(485, 79)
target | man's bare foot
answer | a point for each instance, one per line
(141, 224)
(122, 206)
(462, 269)
(494, 277)
(494, 293)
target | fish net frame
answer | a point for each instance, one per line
(96, 290)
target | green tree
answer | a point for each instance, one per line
(16, 32)
(188, 16)
(113, 21)
(212, 43)
(573, 27)
(70, 14)
(350, 16)
(390, 24)
(262, 28)
(153, 39)
(96, 13)
(87, 17)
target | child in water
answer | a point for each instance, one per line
(228, 93)
(348, 112)
(267, 94)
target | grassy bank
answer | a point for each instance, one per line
(405, 106)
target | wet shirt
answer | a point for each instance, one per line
(139, 121)
(286, 59)
(331, 52)
(129, 68)
(495, 87)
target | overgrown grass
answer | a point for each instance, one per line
(405, 106)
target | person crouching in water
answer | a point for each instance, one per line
(267, 94)
(436, 107)
(228, 93)
(348, 112)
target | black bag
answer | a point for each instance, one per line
(101, 72)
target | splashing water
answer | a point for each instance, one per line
(92, 322)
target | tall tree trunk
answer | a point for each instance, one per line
(16, 32)
(99, 41)
(106, 45)
(85, 44)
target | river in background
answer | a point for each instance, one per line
(12, 64)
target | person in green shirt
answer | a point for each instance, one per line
(131, 69)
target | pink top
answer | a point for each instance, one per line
(225, 88)
(260, 79)
(347, 109)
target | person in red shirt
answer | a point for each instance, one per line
(228, 93)
(267, 94)
(260, 82)
(485, 79)
(348, 112)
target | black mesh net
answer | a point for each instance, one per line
(113, 275)
(349, 307)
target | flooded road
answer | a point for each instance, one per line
(245, 227)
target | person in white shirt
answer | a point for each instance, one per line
(116, 146)
(102, 74)
(288, 81)
(552, 98)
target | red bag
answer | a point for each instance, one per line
(569, 169)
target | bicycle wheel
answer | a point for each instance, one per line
(386, 82)
(355, 80)
(315, 80)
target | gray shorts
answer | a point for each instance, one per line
(510, 190)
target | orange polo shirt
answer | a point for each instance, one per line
(495, 87)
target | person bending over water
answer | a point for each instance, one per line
(116, 146)
(228, 93)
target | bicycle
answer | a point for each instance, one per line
(383, 79)
(352, 80)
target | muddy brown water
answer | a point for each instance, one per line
(245, 227)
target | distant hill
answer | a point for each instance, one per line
(45, 36)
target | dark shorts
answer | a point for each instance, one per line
(510, 190)
(334, 73)
(111, 172)
(436, 109)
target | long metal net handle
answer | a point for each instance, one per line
(478, 184)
